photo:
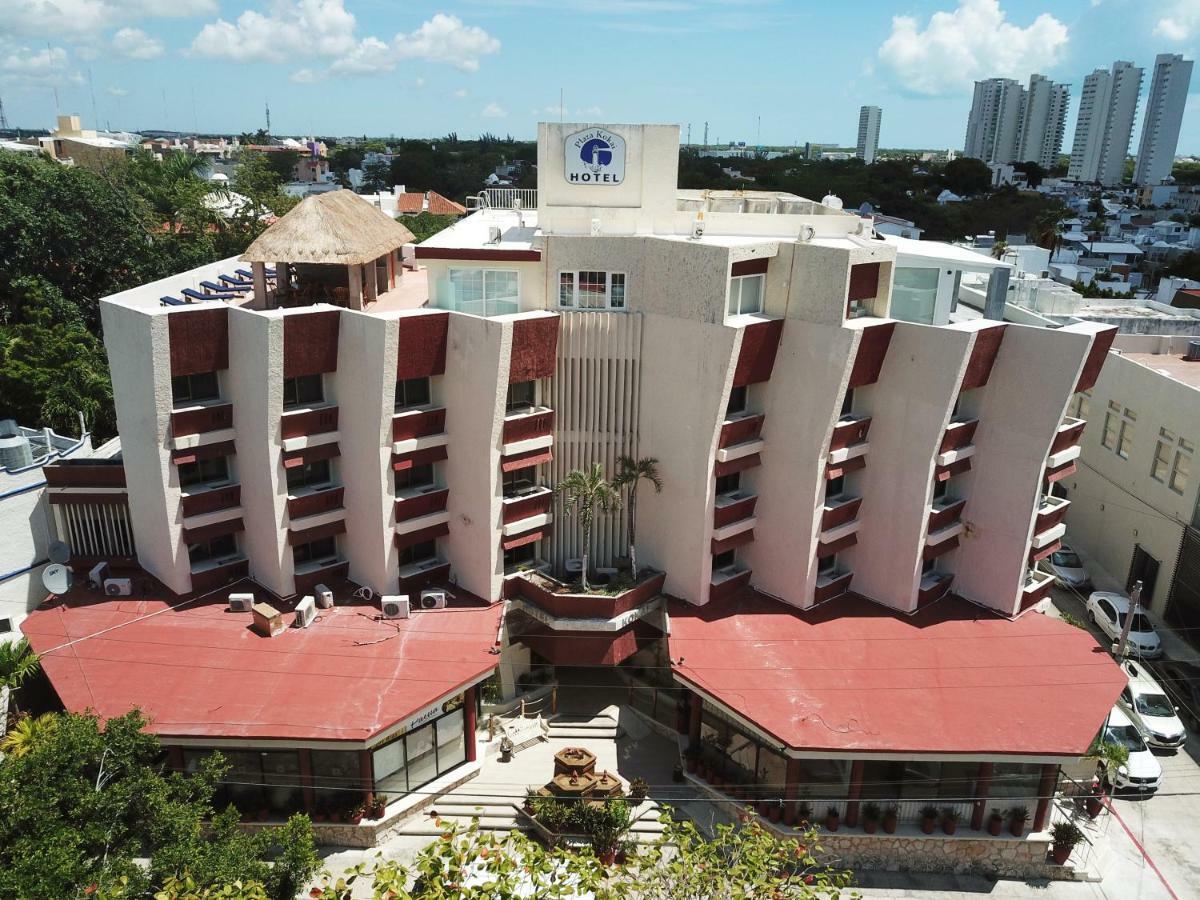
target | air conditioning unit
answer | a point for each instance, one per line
(118, 587)
(306, 612)
(394, 606)
(324, 596)
(98, 574)
(433, 599)
(241, 602)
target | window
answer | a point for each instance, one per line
(834, 487)
(303, 390)
(1112, 423)
(591, 290)
(411, 760)
(1172, 461)
(745, 294)
(1080, 405)
(827, 565)
(1125, 437)
(848, 403)
(203, 471)
(737, 401)
(1182, 467)
(485, 291)
(314, 551)
(727, 484)
(412, 392)
(415, 476)
(939, 489)
(721, 560)
(194, 388)
(309, 474)
(418, 553)
(218, 547)
(928, 566)
(1162, 455)
(520, 556)
(914, 294)
(522, 396)
(519, 480)
(5, 626)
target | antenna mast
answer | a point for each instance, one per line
(3, 117)
(268, 116)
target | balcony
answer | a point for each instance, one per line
(422, 501)
(301, 423)
(1050, 512)
(527, 425)
(416, 577)
(563, 601)
(944, 512)
(1036, 587)
(313, 501)
(848, 431)
(92, 473)
(942, 541)
(201, 419)
(727, 581)
(830, 585)
(207, 498)
(740, 427)
(212, 574)
(959, 434)
(1068, 435)
(418, 423)
(527, 502)
(934, 586)
(312, 573)
(839, 510)
(733, 507)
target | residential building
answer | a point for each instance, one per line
(831, 476)
(72, 144)
(1043, 122)
(1164, 115)
(868, 133)
(994, 124)
(1107, 107)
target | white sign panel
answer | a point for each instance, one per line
(595, 156)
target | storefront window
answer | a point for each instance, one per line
(336, 776)
(452, 744)
(391, 776)
(416, 758)
(1016, 781)
(824, 779)
(422, 757)
(914, 294)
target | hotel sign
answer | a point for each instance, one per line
(595, 156)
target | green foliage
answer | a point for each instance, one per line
(1186, 173)
(425, 225)
(1074, 620)
(630, 473)
(1093, 289)
(585, 493)
(1186, 266)
(18, 663)
(1066, 833)
(966, 176)
(27, 733)
(1109, 755)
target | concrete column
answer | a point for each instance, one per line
(1046, 788)
(791, 786)
(469, 701)
(856, 779)
(997, 294)
(391, 267)
(306, 779)
(259, 272)
(983, 787)
(370, 283)
(354, 276)
(697, 706)
(283, 279)
(366, 773)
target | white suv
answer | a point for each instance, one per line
(1150, 709)
(1142, 772)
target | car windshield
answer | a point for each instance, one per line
(1141, 624)
(1126, 736)
(1154, 705)
(1067, 559)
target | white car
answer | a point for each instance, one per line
(1142, 772)
(1107, 611)
(1150, 709)
(1065, 564)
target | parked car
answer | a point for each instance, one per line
(1181, 681)
(1065, 564)
(1107, 611)
(1142, 772)
(1150, 709)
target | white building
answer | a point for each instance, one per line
(1107, 108)
(868, 133)
(1043, 121)
(1164, 114)
(995, 120)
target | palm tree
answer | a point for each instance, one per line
(632, 471)
(999, 249)
(18, 663)
(27, 733)
(586, 492)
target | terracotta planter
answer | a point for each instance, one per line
(608, 857)
(927, 824)
(1060, 853)
(1095, 805)
(1016, 827)
(889, 824)
(319, 817)
(870, 826)
(949, 826)
(774, 813)
(355, 819)
(831, 823)
(995, 825)
(789, 815)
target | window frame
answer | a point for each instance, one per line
(296, 381)
(309, 482)
(1184, 450)
(407, 555)
(483, 282)
(741, 280)
(209, 553)
(190, 397)
(608, 274)
(309, 556)
(1125, 435)
(200, 472)
(404, 480)
(402, 393)
(512, 407)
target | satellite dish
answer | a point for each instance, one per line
(57, 578)
(59, 552)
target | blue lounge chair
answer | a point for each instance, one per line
(245, 273)
(196, 295)
(235, 283)
(172, 301)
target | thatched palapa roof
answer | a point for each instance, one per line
(335, 228)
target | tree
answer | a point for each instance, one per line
(585, 493)
(1186, 266)
(999, 249)
(630, 474)
(174, 190)
(27, 733)
(18, 663)
(425, 225)
(1034, 173)
(377, 176)
(966, 176)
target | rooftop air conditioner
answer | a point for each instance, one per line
(306, 612)
(433, 599)
(118, 587)
(394, 607)
(324, 596)
(98, 574)
(493, 234)
(241, 602)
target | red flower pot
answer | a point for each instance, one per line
(1095, 804)
(995, 824)
(927, 825)
(870, 826)
(889, 824)
(774, 813)
(832, 822)
(319, 817)
(1016, 827)
(949, 826)
(356, 819)
(1060, 854)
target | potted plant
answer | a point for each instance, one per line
(531, 795)
(870, 816)
(506, 749)
(775, 810)
(950, 819)
(832, 817)
(355, 816)
(379, 806)
(1017, 817)
(1095, 800)
(929, 817)
(638, 789)
(319, 815)
(891, 818)
(995, 822)
(1066, 835)
(803, 815)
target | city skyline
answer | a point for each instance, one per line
(329, 66)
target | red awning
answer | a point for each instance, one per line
(205, 451)
(1061, 472)
(216, 530)
(402, 461)
(945, 473)
(737, 465)
(422, 535)
(932, 551)
(520, 540)
(740, 539)
(315, 534)
(1038, 555)
(293, 458)
(523, 460)
(837, 470)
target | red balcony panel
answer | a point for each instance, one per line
(309, 580)
(513, 541)
(211, 579)
(309, 421)
(421, 505)
(402, 461)
(84, 474)
(310, 343)
(534, 344)
(933, 551)
(747, 428)
(737, 465)
(757, 266)
(1050, 518)
(199, 340)
(837, 470)
(1036, 555)
(414, 584)
(314, 503)
(937, 589)
(872, 350)
(837, 546)
(211, 501)
(524, 507)
(837, 586)
(422, 345)
(525, 427)
(864, 282)
(945, 473)
(93, 497)
(408, 426)
(983, 357)
(203, 451)
(836, 512)
(305, 455)
(320, 532)
(756, 358)
(526, 459)
(958, 435)
(1068, 436)
(738, 540)
(729, 586)
(1097, 353)
(412, 538)
(849, 432)
(1038, 594)
(587, 606)
(734, 512)
(216, 530)
(201, 420)
(947, 515)
(1064, 471)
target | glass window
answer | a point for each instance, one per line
(195, 388)
(467, 285)
(391, 776)
(1125, 438)
(1162, 455)
(281, 777)
(520, 556)
(1182, 468)
(217, 548)
(415, 476)
(203, 471)
(303, 390)
(823, 779)
(451, 740)
(418, 553)
(519, 480)
(826, 564)
(593, 290)
(737, 400)
(1112, 421)
(314, 551)
(422, 756)
(522, 395)
(333, 772)
(308, 474)
(728, 483)
(835, 486)
(500, 284)
(1016, 781)
(412, 392)
(956, 780)
(914, 294)
(616, 290)
(566, 288)
(721, 560)
(745, 294)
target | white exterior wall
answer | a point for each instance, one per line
(995, 120)
(868, 133)
(1164, 115)
(1043, 119)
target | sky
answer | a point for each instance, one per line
(778, 72)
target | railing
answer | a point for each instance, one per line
(848, 431)
(1067, 435)
(213, 577)
(733, 507)
(830, 585)
(934, 586)
(959, 434)
(318, 501)
(418, 423)
(525, 425)
(1051, 511)
(944, 511)
(304, 422)
(1035, 588)
(201, 419)
(206, 500)
(310, 575)
(838, 511)
(532, 504)
(740, 428)
(505, 198)
(421, 504)
(84, 474)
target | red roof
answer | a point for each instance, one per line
(200, 671)
(410, 202)
(444, 206)
(853, 675)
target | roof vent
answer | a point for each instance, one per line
(1193, 351)
(15, 449)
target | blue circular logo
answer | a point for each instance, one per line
(596, 154)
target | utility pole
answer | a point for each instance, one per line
(705, 135)
(1135, 597)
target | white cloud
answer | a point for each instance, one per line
(594, 112)
(494, 111)
(446, 39)
(136, 44)
(1181, 21)
(461, 93)
(971, 42)
(82, 19)
(37, 68)
(370, 56)
(306, 76)
(117, 92)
